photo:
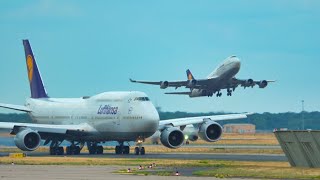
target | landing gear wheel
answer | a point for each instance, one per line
(99, 150)
(56, 150)
(142, 151)
(136, 151)
(126, 150)
(117, 149)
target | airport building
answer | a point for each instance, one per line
(240, 128)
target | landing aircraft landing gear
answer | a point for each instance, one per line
(55, 148)
(229, 92)
(219, 94)
(122, 149)
(94, 148)
(140, 149)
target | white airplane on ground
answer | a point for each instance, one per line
(221, 78)
(109, 116)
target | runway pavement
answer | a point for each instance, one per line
(190, 156)
(32, 172)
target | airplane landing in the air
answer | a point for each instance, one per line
(223, 77)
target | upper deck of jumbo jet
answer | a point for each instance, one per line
(230, 62)
(111, 96)
(117, 95)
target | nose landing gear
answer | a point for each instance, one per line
(140, 149)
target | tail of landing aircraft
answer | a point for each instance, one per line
(36, 85)
(189, 75)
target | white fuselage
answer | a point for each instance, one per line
(220, 77)
(116, 116)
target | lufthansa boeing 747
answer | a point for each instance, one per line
(223, 77)
(110, 116)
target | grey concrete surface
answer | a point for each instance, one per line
(34, 172)
(190, 156)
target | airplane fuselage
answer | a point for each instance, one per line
(218, 78)
(120, 116)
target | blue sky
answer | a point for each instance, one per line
(88, 47)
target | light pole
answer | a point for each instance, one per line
(302, 114)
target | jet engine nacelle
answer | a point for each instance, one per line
(191, 83)
(263, 84)
(249, 82)
(172, 137)
(27, 140)
(210, 131)
(164, 84)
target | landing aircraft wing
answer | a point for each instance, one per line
(201, 83)
(179, 93)
(166, 83)
(197, 120)
(249, 82)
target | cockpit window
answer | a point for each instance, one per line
(141, 99)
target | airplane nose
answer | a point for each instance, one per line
(235, 61)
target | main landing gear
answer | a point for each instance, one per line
(55, 148)
(74, 149)
(229, 92)
(122, 149)
(219, 94)
(94, 148)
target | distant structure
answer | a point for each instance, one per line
(240, 128)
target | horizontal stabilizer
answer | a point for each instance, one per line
(178, 93)
(15, 107)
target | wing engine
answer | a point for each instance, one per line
(27, 140)
(263, 84)
(172, 137)
(164, 84)
(210, 131)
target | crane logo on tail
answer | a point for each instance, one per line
(30, 67)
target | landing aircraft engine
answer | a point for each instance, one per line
(172, 137)
(210, 131)
(249, 83)
(164, 84)
(192, 83)
(263, 84)
(27, 140)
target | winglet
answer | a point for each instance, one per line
(36, 84)
(189, 75)
(131, 80)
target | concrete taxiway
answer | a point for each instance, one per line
(32, 172)
(190, 156)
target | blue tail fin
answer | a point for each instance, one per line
(36, 85)
(189, 75)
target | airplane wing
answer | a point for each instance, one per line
(15, 107)
(201, 83)
(179, 93)
(163, 84)
(48, 130)
(249, 83)
(197, 120)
